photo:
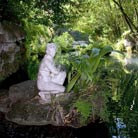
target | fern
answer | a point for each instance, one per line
(85, 108)
(37, 36)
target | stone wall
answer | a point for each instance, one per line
(11, 49)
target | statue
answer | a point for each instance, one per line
(50, 78)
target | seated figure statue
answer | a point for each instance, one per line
(50, 78)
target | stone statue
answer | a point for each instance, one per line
(50, 78)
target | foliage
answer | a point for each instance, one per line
(92, 102)
(131, 121)
(104, 21)
(36, 38)
(64, 41)
(123, 99)
(37, 11)
(32, 69)
(99, 21)
(128, 102)
(129, 21)
(64, 44)
(84, 107)
(17, 10)
(103, 18)
(85, 66)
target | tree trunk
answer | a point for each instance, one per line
(129, 22)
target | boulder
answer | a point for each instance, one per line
(57, 113)
(25, 107)
(4, 101)
(22, 91)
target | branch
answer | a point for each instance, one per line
(126, 17)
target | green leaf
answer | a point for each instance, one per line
(105, 50)
(72, 82)
(119, 52)
(84, 107)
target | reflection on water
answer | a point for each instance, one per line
(120, 126)
(12, 130)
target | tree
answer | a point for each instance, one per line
(129, 21)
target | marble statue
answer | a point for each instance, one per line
(50, 78)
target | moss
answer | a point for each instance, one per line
(10, 58)
(8, 69)
(13, 29)
(4, 56)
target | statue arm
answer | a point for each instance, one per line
(52, 68)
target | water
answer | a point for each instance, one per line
(12, 130)
(120, 126)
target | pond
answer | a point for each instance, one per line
(12, 130)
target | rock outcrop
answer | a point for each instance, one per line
(21, 105)
(4, 101)
(11, 49)
(22, 91)
(32, 112)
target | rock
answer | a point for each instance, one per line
(22, 91)
(10, 33)
(131, 63)
(11, 49)
(25, 108)
(4, 101)
(33, 113)
(79, 36)
(80, 43)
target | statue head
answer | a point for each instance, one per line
(51, 49)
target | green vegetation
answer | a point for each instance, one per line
(84, 108)
(92, 72)
(37, 37)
